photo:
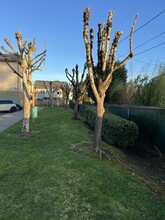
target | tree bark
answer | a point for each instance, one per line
(98, 125)
(66, 101)
(97, 133)
(75, 112)
(25, 125)
(51, 102)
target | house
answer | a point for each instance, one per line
(43, 89)
(10, 83)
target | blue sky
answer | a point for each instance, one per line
(60, 23)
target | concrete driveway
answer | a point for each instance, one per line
(8, 119)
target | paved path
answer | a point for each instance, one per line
(8, 119)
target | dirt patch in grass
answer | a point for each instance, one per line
(22, 135)
(149, 170)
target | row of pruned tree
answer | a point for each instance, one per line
(99, 76)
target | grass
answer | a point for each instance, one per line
(44, 177)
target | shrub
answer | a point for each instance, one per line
(90, 116)
(115, 130)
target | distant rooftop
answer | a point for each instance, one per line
(39, 84)
(10, 58)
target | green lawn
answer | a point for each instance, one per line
(42, 177)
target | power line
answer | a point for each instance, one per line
(144, 24)
(161, 65)
(149, 40)
(149, 49)
(144, 43)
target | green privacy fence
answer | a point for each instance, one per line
(151, 123)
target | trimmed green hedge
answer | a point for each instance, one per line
(115, 130)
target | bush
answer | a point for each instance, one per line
(115, 130)
(90, 116)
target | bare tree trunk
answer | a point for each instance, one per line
(98, 124)
(75, 112)
(97, 133)
(66, 103)
(25, 124)
(51, 101)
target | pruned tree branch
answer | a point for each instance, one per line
(77, 73)
(41, 59)
(79, 87)
(131, 33)
(12, 68)
(38, 67)
(70, 77)
(43, 53)
(130, 45)
(89, 52)
(7, 51)
(83, 74)
(10, 45)
(8, 63)
(18, 36)
(108, 34)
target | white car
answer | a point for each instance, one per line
(8, 105)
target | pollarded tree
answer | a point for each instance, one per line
(50, 89)
(79, 87)
(29, 62)
(66, 90)
(106, 61)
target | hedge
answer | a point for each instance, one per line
(115, 130)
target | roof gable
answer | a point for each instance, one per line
(55, 84)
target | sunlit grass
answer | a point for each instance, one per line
(45, 177)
